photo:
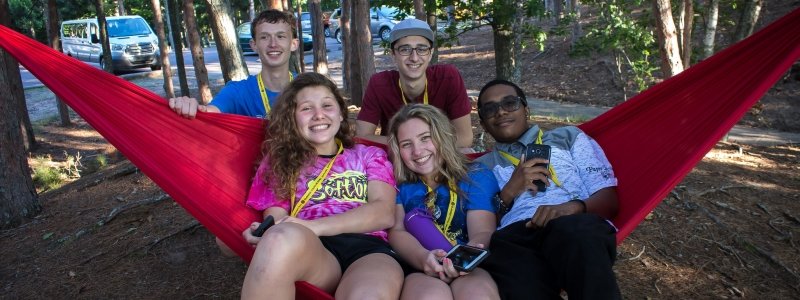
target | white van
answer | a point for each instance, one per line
(133, 43)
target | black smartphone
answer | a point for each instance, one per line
(466, 258)
(268, 222)
(538, 151)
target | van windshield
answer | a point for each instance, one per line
(127, 27)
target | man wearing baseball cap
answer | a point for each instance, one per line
(415, 81)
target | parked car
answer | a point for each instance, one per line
(243, 31)
(133, 43)
(382, 20)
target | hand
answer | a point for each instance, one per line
(523, 177)
(186, 107)
(545, 213)
(444, 270)
(248, 236)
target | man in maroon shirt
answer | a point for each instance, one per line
(415, 81)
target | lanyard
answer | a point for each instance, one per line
(451, 209)
(315, 184)
(550, 168)
(403, 95)
(264, 97)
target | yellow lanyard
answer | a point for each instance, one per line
(550, 168)
(315, 184)
(451, 209)
(403, 95)
(264, 97)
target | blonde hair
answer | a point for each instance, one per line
(452, 163)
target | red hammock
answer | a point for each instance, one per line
(653, 140)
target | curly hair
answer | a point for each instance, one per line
(285, 148)
(452, 163)
(273, 16)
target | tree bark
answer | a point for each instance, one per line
(18, 199)
(747, 22)
(231, 59)
(347, 48)
(419, 9)
(671, 63)
(15, 92)
(363, 64)
(318, 38)
(177, 44)
(166, 70)
(298, 54)
(577, 30)
(198, 57)
(509, 18)
(120, 8)
(251, 10)
(53, 39)
(712, 15)
(102, 32)
(688, 22)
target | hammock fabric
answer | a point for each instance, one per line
(653, 140)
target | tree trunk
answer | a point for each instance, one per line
(419, 9)
(577, 30)
(318, 37)
(688, 22)
(712, 15)
(18, 199)
(276, 4)
(251, 10)
(121, 8)
(166, 70)
(509, 18)
(671, 63)
(53, 39)
(363, 65)
(177, 44)
(747, 22)
(198, 57)
(298, 54)
(230, 52)
(347, 48)
(558, 12)
(102, 33)
(431, 10)
(14, 94)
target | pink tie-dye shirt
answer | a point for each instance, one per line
(343, 189)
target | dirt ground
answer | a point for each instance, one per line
(726, 232)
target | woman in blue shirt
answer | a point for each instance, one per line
(434, 176)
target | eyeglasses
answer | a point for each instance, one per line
(406, 50)
(508, 103)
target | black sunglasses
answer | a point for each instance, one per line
(508, 103)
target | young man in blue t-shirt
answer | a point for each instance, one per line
(274, 40)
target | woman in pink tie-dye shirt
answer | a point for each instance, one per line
(332, 200)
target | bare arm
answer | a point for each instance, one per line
(463, 126)
(480, 225)
(366, 130)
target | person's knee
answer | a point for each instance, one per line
(476, 285)
(580, 227)
(424, 287)
(284, 240)
(375, 276)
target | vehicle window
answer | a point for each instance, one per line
(244, 30)
(305, 17)
(127, 27)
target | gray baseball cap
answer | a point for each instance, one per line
(409, 27)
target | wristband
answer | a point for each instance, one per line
(501, 207)
(583, 204)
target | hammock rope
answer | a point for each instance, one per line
(653, 140)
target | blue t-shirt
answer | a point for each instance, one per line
(243, 98)
(479, 188)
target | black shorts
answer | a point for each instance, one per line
(349, 247)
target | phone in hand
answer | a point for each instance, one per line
(466, 258)
(268, 222)
(538, 151)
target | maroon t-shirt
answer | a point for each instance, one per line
(383, 99)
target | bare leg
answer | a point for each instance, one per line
(288, 253)
(478, 284)
(374, 276)
(424, 287)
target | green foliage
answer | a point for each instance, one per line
(48, 174)
(629, 39)
(27, 18)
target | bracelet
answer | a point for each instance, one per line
(501, 207)
(583, 204)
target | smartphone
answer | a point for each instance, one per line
(538, 151)
(466, 258)
(268, 222)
